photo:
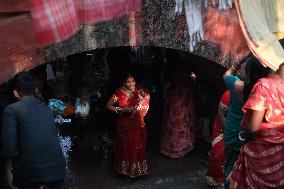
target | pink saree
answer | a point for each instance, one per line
(178, 119)
(261, 161)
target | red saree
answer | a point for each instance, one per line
(215, 172)
(261, 161)
(130, 140)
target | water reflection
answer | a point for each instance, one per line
(87, 150)
(66, 145)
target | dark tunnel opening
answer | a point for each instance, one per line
(88, 140)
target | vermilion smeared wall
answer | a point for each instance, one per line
(16, 42)
(222, 28)
(17, 52)
(14, 6)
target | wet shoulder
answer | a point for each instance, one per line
(28, 106)
(266, 83)
(14, 106)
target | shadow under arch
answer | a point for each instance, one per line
(147, 63)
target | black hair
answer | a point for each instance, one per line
(281, 41)
(253, 72)
(126, 75)
(24, 83)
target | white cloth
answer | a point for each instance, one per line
(259, 20)
(82, 108)
(50, 73)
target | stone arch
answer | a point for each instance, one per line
(156, 25)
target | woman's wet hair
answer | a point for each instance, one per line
(253, 72)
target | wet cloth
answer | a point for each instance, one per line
(215, 173)
(261, 160)
(260, 20)
(130, 139)
(56, 20)
(30, 135)
(232, 129)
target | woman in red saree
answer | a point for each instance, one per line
(260, 164)
(215, 172)
(131, 103)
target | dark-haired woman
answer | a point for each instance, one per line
(239, 91)
(131, 103)
(260, 164)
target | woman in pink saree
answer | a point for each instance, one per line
(179, 116)
(260, 164)
(131, 104)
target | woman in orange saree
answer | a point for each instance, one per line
(131, 104)
(260, 164)
(215, 172)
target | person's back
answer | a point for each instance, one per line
(239, 91)
(235, 114)
(259, 163)
(30, 136)
(39, 155)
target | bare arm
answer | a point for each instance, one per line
(8, 173)
(110, 104)
(236, 65)
(230, 71)
(251, 124)
(221, 116)
(8, 164)
(253, 120)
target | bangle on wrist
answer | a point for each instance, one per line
(241, 137)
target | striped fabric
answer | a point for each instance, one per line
(56, 20)
(260, 164)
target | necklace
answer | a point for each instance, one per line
(129, 92)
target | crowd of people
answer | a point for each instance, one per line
(247, 136)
